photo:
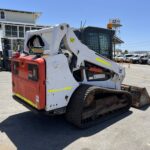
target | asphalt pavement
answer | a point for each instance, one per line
(23, 130)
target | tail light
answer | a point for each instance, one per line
(33, 72)
(16, 55)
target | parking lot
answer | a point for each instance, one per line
(23, 130)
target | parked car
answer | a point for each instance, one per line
(148, 61)
(127, 57)
(119, 58)
(136, 59)
(144, 59)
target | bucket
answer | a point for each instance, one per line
(140, 96)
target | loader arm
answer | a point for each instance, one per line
(83, 54)
(53, 38)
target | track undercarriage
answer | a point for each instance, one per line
(90, 104)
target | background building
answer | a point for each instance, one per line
(13, 25)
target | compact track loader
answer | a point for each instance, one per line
(58, 74)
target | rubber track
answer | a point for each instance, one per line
(76, 105)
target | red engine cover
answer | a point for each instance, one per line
(28, 80)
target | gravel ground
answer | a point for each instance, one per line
(23, 130)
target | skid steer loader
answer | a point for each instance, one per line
(58, 74)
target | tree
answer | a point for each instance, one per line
(126, 52)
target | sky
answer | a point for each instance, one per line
(134, 16)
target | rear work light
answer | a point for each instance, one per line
(33, 72)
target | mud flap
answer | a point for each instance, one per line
(140, 96)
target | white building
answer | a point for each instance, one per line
(13, 25)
